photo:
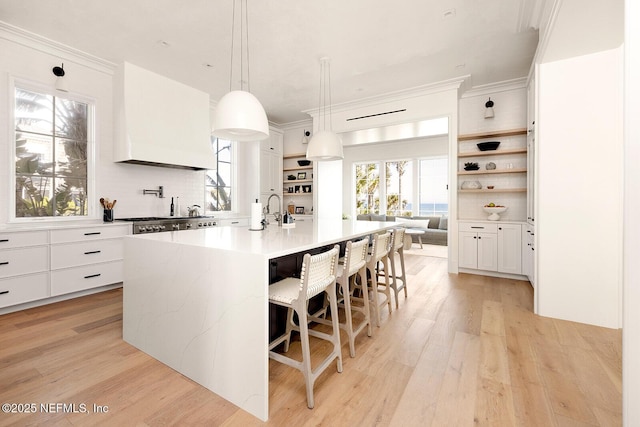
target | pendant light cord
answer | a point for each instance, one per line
(244, 31)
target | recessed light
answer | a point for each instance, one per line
(164, 43)
(460, 66)
(207, 65)
(448, 14)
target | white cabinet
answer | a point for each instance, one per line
(271, 163)
(24, 267)
(528, 253)
(490, 246)
(85, 258)
(238, 222)
(531, 150)
(477, 245)
(510, 248)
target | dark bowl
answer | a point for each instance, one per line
(304, 162)
(487, 146)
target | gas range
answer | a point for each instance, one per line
(159, 224)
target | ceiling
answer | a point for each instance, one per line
(375, 46)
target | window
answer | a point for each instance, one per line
(52, 136)
(399, 188)
(433, 187)
(367, 188)
(218, 181)
(399, 191)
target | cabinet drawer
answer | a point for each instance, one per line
(23, 238)
(84, 253)
(478, 227)
(18, 261)
(89, 233)
(18, 290)
(86, 277)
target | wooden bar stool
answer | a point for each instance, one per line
(318, 274)
(379, 255)
(353, 267)
(397, 255)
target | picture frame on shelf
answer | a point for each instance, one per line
(306, 188)
(302, 175)
(300, 210)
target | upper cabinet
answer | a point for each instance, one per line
(160, 122)
(271, 163)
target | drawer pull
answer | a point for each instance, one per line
(4, 292)
(473, 226)
(92, 234)
(92, 276)
(4, 240)
(235, 222)
(4, 263)
(92, 252)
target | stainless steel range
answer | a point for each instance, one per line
(160, 224)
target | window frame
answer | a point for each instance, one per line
(233, 185)
(92, 199)
(414, 165)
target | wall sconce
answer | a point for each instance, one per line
(488, 113)
(305, 138)
(61, 84)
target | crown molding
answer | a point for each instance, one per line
(37, 42)
(492, 88)
(414, 92)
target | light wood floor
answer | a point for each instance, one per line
(462, 350)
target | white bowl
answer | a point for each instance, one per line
(494, 212)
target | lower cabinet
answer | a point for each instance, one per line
(528, 253)
(39, 264)
(490, 246)
(24, 267)
(86, 258)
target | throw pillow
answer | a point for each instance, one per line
(413, 223)
(444, 223)
(378, 217)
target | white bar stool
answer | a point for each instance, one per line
(354, 265)
(379, 254)
(318, 274)
(397, 252)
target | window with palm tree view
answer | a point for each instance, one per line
(218, 181)
(407, 188)
(51, 151)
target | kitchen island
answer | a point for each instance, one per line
(197, 300)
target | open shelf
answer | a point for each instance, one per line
(494, 134)
(491, 172)
(495, 190)
(294, 156)
(493, 152)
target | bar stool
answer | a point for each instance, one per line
(379, 255)
(318, 274)
(354, 266)
(397, 251)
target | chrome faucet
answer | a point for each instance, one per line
(277, 215)
(159, 192)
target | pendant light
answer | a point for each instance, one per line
(324, 144)
(239, 116)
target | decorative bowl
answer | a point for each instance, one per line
(304, 162)
(487, 146)
(494, 212)
(471, 185)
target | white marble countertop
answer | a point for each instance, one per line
(274, 241)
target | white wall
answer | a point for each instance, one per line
(579, 191)
(631, 329)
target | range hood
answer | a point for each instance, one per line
(160, 122)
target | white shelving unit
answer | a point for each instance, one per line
(302, 188)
